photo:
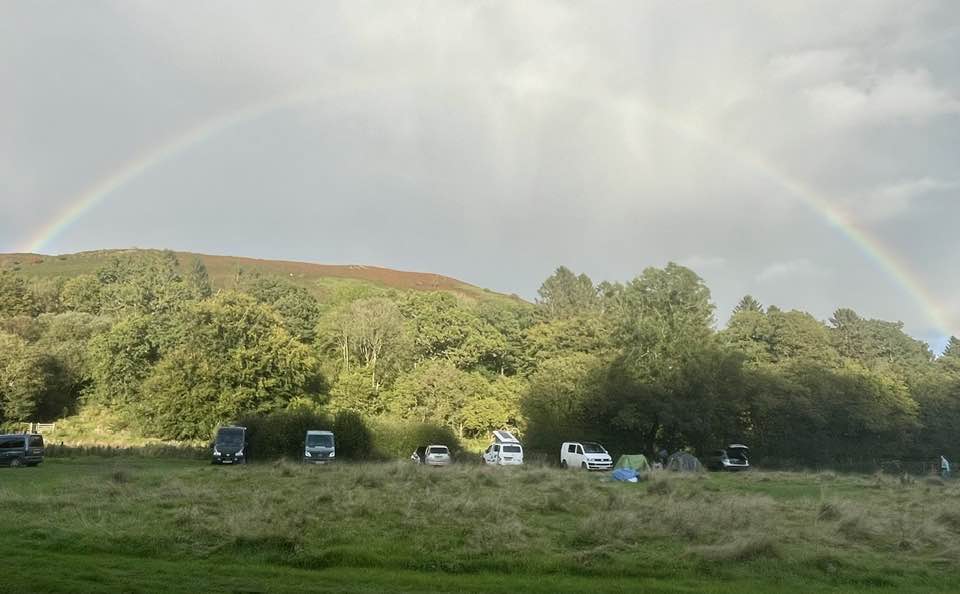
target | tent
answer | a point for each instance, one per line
(637, 462)
(683, 462)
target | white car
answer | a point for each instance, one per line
(506, 450)
(432, 455)
(586, 455)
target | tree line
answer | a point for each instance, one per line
(641, 365)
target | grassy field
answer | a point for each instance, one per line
(139, 525)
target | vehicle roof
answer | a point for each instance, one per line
(232, 427)
(20, 435)
(315, 432)
(737, 446)
(505, 437)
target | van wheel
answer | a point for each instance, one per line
(563, 464)
(16, 462)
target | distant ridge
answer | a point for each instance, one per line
(223, 271)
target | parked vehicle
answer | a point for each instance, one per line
(733, 458)
(506, 450)
(587, 455)
(319, 447)
(230, 446)
(432, 455)
(21, 449)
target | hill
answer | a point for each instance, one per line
(320, 279)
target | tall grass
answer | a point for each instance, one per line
(467, 519)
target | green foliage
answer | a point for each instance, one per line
(82, 294)
(235, 357)
(638, 365)
(564, 294)
(748, 303)
(354, 440)
(22, 380)
(398, 439)
(281, 434)
(15, 297)
(298, 308)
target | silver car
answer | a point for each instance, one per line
(432, 455)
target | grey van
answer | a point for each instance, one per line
(319, 447)
(21, 449)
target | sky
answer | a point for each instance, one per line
(803, 152)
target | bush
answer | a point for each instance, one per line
(281, 434)
(354, 441)
(398, 439)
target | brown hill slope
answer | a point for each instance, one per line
(223, 271)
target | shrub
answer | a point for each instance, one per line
(354, 441)
(281, 433)
(398, 439)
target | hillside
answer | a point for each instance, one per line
(319, 279)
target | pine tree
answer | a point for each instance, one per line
(748, 303)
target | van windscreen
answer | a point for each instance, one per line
(230, 436)
(36, 441)
(319, 441)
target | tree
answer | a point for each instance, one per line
(748, 303)
(438, 391)
(82, 294)
(950, 359)
(198, 280)
(235, 358)
(564, 294)
(371, 333)
(443, 327)
(559, 398)
(21, 379)
(15, 297)
(121, 359)
(298, 308)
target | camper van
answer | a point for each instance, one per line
(21, 449)
(319, 447)
(230, 446)
(505, 450)
(586, 455)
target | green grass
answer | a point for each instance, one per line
(93, 524)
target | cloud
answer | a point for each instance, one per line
(799, 270)
(892, 200)
(454, 137)
(898, 96)
(700, 263)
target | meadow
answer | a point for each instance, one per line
(135, 524)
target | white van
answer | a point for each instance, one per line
(587, 455)
(505, 450)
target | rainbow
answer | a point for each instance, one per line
(138, 165)
(884, 258)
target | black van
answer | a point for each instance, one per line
(21, 449)
(230, 446)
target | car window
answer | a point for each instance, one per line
(572, 448)
(11, 443)
(579, 450)
(496, 448)
(36, 441)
